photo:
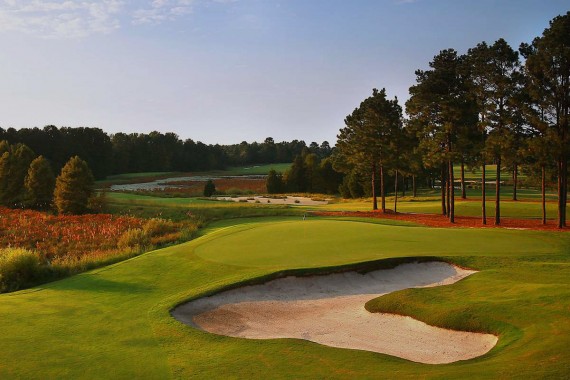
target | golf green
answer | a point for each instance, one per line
(314, 243)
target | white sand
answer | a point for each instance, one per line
(288, 200)
(330, 310)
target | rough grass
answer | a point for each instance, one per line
(114, 322)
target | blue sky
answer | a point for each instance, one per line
(224, 71)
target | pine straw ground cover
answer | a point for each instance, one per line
(441, 221)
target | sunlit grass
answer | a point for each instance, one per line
(115, 323)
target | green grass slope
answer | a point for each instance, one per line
(115, 323)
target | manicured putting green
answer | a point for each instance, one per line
(313, 243)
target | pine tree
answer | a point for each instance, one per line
(73, 187)
(14, 163)
(440, 109)
(274, 182)
(209, 188)
(365, 144)
(39, 184)
(548, 72)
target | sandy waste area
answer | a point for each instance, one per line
(299, 201)
(329, 310)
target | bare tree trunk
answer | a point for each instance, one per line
(452, 193)
(515, 180)
(498, 193)
(543, 187)
(463, 191)
(483, 195)
(382, 192)
(396, 193)
(414, 190)
(561, 198)
(403, 185)
(374, 198)
(448, 190)
(443, 207)
(564, 190)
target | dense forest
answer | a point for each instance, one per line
(138, 152)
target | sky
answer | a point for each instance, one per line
(226, 71)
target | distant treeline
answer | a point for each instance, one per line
(139, 152)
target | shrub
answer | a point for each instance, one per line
(209, 188)
(98, 203)
(18, 268)
(135, 239)
(157, 226)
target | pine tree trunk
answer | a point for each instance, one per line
(374, 198)
(414, 190)
(404, 185)
(543, 188)
(452, 193)
(463, 190)
(396, 193)
(382, 192)
(560, 200)
(483, 195)
(443, 207)
(515, 180)
(448, 191)
(498, 193)
(562, 190)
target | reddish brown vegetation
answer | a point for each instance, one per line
(195, 188)
(434, 220)
(58, 236)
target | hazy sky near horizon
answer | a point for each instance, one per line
(224, 71)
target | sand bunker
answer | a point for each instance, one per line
(330, 310)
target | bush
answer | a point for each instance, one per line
(18, 268)
(98, 203)
(209, 188)
(135, 239)
(157, 226)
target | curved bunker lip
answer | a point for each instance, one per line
(329, 309)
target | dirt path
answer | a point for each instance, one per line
(330, 310)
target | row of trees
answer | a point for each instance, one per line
(29, 181)
(155, 151)
(308, 174)
(485, 106)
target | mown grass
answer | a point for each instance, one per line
(198, 209)
(115, 323)
(429, 203)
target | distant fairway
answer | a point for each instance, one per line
(114, 322)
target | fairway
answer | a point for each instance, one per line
(115, 322)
